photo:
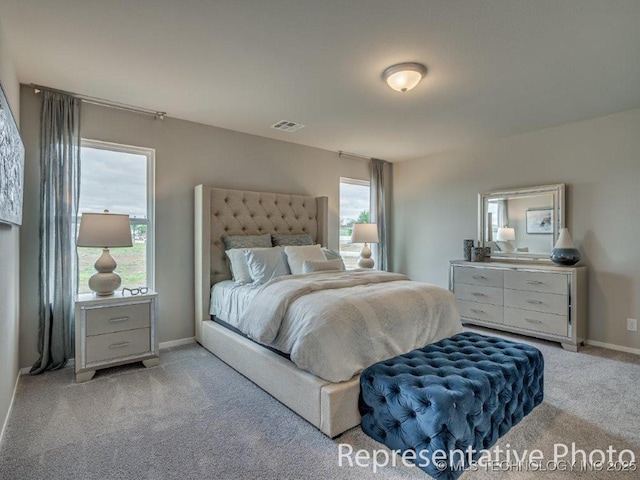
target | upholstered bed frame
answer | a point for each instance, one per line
(332, 407)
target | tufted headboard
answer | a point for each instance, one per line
(221, 211)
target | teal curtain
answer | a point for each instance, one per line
(380, 197)
(59, 193)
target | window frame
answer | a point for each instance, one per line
(150, 221)
(351, 181)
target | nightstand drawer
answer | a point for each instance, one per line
(537, 282)
(117, 319)
(478, 276)
(537, 302)
(539, 322)
(119, 344)
(480, 311)
(478, 293)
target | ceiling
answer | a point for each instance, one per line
(496, 67)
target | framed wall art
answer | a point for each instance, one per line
(11, 166)
(540, 220)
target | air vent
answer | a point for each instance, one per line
(287, 126)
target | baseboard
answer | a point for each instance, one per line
(177, 343)
(611, 346)
(13, 397)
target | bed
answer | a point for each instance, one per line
(330, 405)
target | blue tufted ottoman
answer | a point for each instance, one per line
(464, 391)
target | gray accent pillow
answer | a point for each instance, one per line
(310, 266)
(292, 240)
(266, 264)
(246, 241)
(331, 254)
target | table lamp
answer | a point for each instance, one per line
(104, 230)
(503, 237)
(365, 233)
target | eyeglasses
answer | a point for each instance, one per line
(135, 291)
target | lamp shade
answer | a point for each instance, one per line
(104, 230)
(505, 234)
(364, 233)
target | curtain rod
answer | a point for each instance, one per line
(105, 103)
(357, 155)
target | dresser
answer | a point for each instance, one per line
(115, 330)
(529, 298)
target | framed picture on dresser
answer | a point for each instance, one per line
(11, 166)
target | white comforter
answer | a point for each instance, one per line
(335, 324)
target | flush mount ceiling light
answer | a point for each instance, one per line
(404, 76)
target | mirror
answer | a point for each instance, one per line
(521, 222)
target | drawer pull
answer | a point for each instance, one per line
(119, 319)
(119, 345)
(534, 282)
(475, 310)
(533, 320)
(479, 277)
(534, 302)
(478, 294)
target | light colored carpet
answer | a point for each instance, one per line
(193, 417)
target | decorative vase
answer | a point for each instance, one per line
(477, 254)
(565, 252)
(467, 247)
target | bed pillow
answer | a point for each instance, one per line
(331, 254)
(246, 241)
(266, 264)
(297, 255)
(310, 266)
(294, 240)
(238, 264)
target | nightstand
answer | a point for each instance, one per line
(115, 330)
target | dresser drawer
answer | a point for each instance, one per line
(480, 311)
(478, 293)
(537, 302)
(117, 319)
(536, 321)
(478, 276)
(120, 344)
(537, 282)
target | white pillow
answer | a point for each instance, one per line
(296, 255)
(239, 268)
(310, 266)
(266, 263)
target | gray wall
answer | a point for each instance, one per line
(435, 207)
(187, 154)
(9, 266)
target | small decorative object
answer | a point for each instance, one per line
(467, 247)
(540, 220)
(487, 252)
(564, 252)
(11, 166)
(365, 233)
(105, 230)
(478, 254)
(135, 291)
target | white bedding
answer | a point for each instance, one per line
(229, 300)
(334, 324)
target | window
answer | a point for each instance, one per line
(119, 178)
(354, 208)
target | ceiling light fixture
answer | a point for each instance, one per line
(404, 76)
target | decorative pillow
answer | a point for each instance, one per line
(247, 241)
(238, 264)
(310, 266)
(294, 240)
(331, 254)
(297, 255)
(266, 264)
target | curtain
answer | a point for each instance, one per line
(59, 192)
(503, 213)
(380, 197)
